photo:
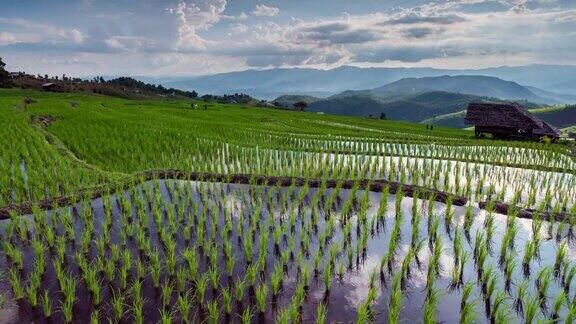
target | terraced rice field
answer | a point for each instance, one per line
(102, 240)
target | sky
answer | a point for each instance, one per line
(198, 37)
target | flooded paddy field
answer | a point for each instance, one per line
(186, 251)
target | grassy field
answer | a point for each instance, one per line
(204, 251)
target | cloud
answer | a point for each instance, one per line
(73, 34)
(7, 38)
(241, 17)
(404, 54)
(22, 30)
(193, 17)
(265, 11)
(128, 43)
(328, 27)
(358, 36)
(413, 18)
(332, 33)
(447, 32)
(419, 32)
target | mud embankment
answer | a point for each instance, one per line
(283, 181)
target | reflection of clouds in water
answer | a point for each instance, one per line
(417, 276)
(360, 280)
(356, 283)
(9, 306)
(233, 203)
(571, 254)
(526, 226)
(503, 178)
(446, 261)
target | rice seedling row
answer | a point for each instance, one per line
(174, 250)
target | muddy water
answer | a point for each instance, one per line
(346, 293)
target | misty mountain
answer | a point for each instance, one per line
(473, 85)
(554, 78)
(268, 84)
(567, 87)
(416, 99)
(565, 98)
(413, 107)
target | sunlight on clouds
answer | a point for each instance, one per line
(466, 33)
(193, 17)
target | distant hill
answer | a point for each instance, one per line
(415, 107)
(467, 84)
(565, 98)
(288, 101)
(568, 87)
(417, 99)
(561, 117)
(358, 105)
(271, 83)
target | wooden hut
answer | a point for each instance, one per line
(508, 121)
(54, 87)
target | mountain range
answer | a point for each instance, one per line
(557, 81)
(417, 99)
(412, 94)
(472, 85)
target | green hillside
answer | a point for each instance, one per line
(418, 99)
(414, 107)
(288, 101)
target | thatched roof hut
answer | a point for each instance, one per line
(507, 121)
(51, 86)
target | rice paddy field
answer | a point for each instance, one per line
(271, 216)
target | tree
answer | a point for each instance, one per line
(300, 105)
(4, 75)
(383, 116)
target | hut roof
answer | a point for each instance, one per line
(51, 84)
(502, 115)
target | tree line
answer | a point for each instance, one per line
(127, 82)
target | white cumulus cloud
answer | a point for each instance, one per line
(7, 38)
(263, 10)
(194, 16)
